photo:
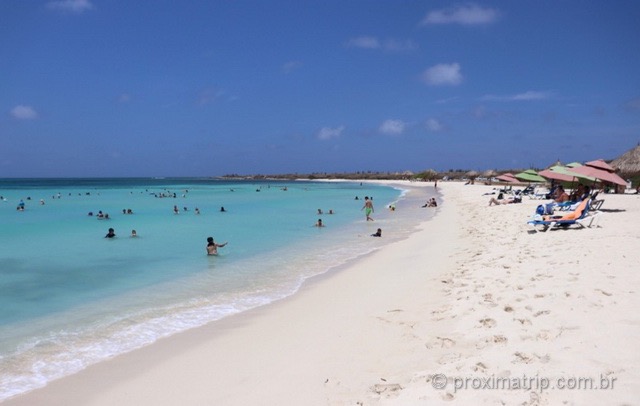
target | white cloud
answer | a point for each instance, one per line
(389, 45)
(470, 14)
(531, 95)
(327, 133)
(290, 66)
(434, 125)
(71, 6)
(24, 113)
(392, 127)
(526, 96)
(443, 74)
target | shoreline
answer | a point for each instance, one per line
(483, 298)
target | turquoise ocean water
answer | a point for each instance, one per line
(70, 297)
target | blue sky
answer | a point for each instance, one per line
(206, 88)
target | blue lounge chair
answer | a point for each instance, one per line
(577, 216)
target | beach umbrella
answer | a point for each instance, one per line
(530, 176)
(599, 173)
(507, 177)
(556, 175)
(472, 174)
(600, 164)
(563, 174)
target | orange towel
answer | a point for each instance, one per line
(577, 212)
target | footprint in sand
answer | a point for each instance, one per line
(522, 358)
(541, 312)
(493, 340)
(508, 309)
(442, 309)
(543, 358)
(488, 323)
(448, 397)
(604, 293)
(479, 367)
(449, 358)
(528, 359)
(388, 389)
(440, 342)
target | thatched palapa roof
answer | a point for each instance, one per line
(629, 162)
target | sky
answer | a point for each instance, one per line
(111, 88)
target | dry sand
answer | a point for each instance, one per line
(471, 299)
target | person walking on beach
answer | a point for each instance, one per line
(368, 208)
(212, 247)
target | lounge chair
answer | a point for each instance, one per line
(577, 216)
(597, 204)
(528, 190)
(566, 206)
(538, 194)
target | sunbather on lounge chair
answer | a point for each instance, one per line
(577, 216)
(577, 213)
(504, 201)
(560, 195)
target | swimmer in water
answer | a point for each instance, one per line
(212, 247)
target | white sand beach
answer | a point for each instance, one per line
(472, 301)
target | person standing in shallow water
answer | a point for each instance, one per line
(368, 208)
(212, 247)
(110, 234)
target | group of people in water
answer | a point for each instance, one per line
(212, 246)
(100, 215)
(367, 207)
(112, 233)
(196, 211)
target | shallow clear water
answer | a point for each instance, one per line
(70, 297)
